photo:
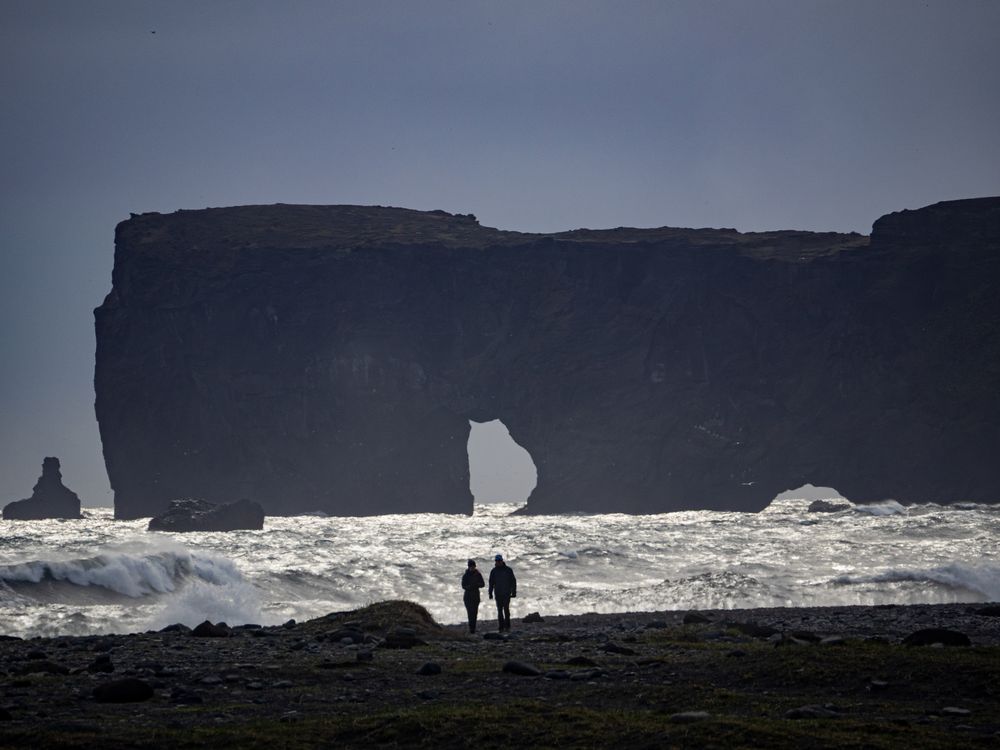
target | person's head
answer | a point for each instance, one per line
(472, 563)
(498, 560)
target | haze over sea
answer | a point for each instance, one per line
(98, 575)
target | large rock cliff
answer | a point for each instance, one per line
(330, 358)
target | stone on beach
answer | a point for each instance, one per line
(812, 712)
(128, 690)
(41, 667)
(613, 648)
(521, 668)
(933, 636)
(210, 630)
(101, 664)
(695, 618)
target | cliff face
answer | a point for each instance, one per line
(330, 358)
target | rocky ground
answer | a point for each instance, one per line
(387, 675)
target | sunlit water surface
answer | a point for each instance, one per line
(98, 575)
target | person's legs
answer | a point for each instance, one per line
(500, 607)
(503, 612)
(472, 608)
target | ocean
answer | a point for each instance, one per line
(97, 575)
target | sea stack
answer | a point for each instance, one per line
(49, 499)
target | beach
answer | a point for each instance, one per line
(389, 675)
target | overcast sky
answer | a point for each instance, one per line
(535, 116)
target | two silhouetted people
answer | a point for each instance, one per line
(503, 586)
(472, 581)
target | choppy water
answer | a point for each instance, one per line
(98, 575)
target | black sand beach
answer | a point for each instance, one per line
(387, 675)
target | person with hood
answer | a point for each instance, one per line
(472, 581)
(504, 585)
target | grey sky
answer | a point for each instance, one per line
(534, 115)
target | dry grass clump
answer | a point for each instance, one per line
(381, 618)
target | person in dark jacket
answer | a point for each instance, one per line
(503, 584)
(472, 581)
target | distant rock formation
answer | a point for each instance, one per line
(192, 514)
(329, 358)
(826, 506)
(49, 499)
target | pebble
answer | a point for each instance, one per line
(812, 712)
(695, 618)
(934, 636)
(185, 697)
(129, 690)
(522, 669)
(613, 648)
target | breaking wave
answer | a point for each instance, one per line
(126, 572)
(885, 508)
(982, 581)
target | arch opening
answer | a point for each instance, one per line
(500, 470)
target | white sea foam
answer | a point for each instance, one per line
(885, 508)
(98, 574)
(237, 602)
(981, 580)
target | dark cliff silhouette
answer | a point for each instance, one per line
(49, 498)
(330, 358)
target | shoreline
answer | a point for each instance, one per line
(378, 674)
(889, 621)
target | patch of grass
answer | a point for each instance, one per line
(518, 723)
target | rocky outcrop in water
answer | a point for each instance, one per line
(50, 498)
(192, 514)
(330, 358)
(826, 506)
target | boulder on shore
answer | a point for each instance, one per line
(50, 498)
(192, 514)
